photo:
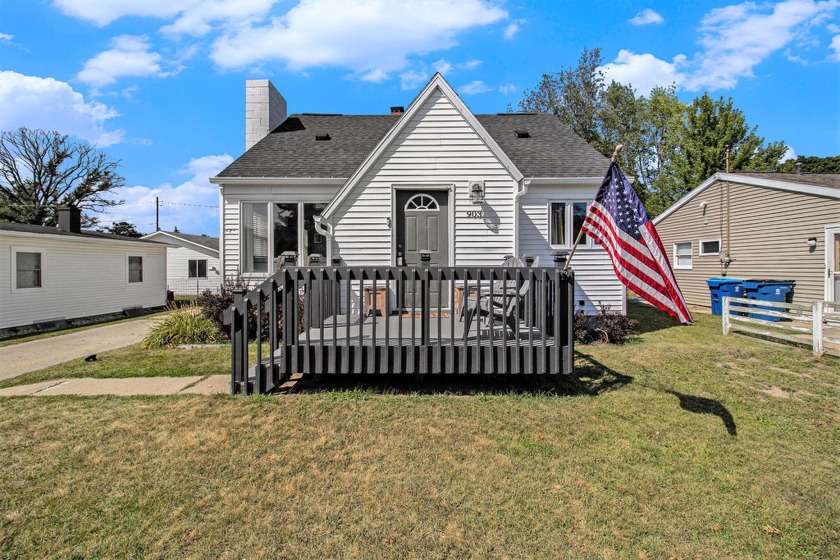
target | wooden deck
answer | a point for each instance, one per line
(530, 330)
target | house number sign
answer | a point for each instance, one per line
(475, 214)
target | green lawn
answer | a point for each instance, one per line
(681, 443)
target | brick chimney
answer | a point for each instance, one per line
(265, 109)
(69, 219)
(397, 111)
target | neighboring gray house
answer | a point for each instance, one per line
(65, 273)
(192, 262)
(783, 226)
(377, 189)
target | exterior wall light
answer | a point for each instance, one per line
(476, 192)
(812, 242)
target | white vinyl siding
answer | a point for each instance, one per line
(437, 149)
(79, 277)
(178, 278)
(595, 282)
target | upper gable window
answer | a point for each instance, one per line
(422, 202)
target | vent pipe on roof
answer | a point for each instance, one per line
(265, 109)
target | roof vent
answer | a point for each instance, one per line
(523, 134)
(322, 136)
(397, 110)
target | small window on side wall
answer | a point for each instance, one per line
(565, 220)
(682, 255)
(197, 268)
(135, 269)
(27, 270)
(709, 247)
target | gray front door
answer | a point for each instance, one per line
(423, 225)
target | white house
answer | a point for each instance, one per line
(375, 190)
(192, 262)
(49, 274)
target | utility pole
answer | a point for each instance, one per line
(157, 213)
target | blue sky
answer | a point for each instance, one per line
(159, 84)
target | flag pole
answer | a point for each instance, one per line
(580, 233)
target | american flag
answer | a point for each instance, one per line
(618, 221)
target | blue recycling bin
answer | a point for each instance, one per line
(721, 288)
(780, 291)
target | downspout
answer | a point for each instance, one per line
(523, 189)
(222, 233)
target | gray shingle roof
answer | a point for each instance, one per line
(28, 228)
(291, 150)
(203, 240)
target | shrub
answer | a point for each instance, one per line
(605, 327)
(185, 325)
(214, 304)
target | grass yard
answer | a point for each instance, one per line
(682, 443)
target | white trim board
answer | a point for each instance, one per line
(182, 240)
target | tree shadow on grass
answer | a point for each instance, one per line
(702, 405)
(589, 379)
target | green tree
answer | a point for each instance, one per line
(573, 95)
(41, 170)
(813, 164)
(126, 229)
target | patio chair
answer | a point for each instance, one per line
(503, 305)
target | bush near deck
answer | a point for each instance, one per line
(680, 443)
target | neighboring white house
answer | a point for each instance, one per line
(49, 274)
(374, 190)
(192, 262)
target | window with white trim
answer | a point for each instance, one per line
(27, 270)
(197, 268)
(565, 220)
(270, 229)
(709, 247)
(682, 255)
(135, 269)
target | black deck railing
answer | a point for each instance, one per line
(415, 320)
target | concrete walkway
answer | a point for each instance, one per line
(86, 386)
(17, 359)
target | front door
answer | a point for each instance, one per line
(833, 256)
(423, 225)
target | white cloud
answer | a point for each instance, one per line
(129, 57)
(192, 206)
(6, 37)
(644, 71)
(507, 89)
(474, 87)
(191, 17)
(50, 104)
(412, 79)
(513, 28)
(420, 73)
(789, 154)
(735, 39)
(370, 37)
(835, 47)
(647, 17)
(442, 66)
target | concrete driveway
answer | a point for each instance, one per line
(17, 359)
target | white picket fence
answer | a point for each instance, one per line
(816, 325)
